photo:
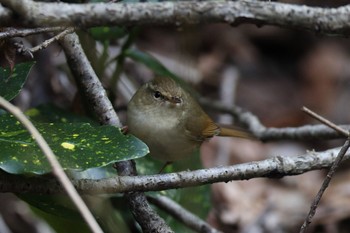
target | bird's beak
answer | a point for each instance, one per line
(175, 100)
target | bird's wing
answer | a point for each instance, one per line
(200, 127)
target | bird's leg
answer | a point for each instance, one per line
(125, 130)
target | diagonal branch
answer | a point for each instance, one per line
(96, 96)
(183, 215)
(316, 19)
(324, 186)
(88, 82)
(326, 122)
(331, 171)
(47, 42)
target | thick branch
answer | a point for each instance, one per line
(275, 168)
(320, 20)
(88, 81)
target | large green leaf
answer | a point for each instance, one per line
(77, 146)
(11, 82)
(48, 113)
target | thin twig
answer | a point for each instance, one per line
(331, 171)
(51, 40)
(326, 122)
(56, 167)
(324, 186)
(183, 215)
(251, 122)
(23, 32)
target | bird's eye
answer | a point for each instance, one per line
(157, 95)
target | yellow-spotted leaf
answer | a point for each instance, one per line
(78, 146)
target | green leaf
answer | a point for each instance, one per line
(150, 62)
(48, 113)
(77, 146)
(11, 82)
(107, 33)
(157, 67)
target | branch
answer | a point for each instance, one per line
(56, 166)
(23, 32)
(324, 186)
(88, 82)
(97, 98)
(51, 40)
(274, 168)
(331, 171)
(178, 212)
(326, 122)
(253, 124)
(316, 19)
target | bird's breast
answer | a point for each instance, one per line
(163, 133)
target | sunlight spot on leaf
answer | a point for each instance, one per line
(68, 146)
(37, 162)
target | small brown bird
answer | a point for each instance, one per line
(170, 121)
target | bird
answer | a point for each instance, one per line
(171, 122)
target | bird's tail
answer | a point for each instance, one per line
(236, 132)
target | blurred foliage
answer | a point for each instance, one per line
(61, 214)
(107, 33)
(156, 66)
(12, 81)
